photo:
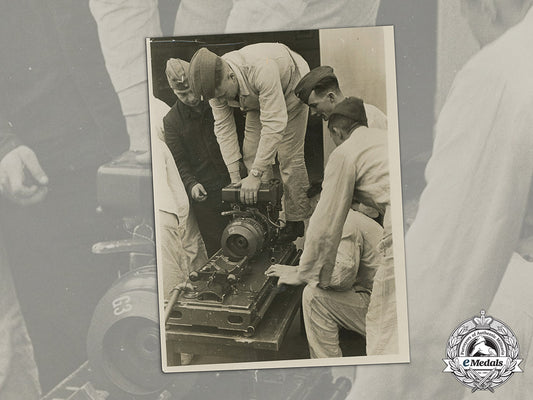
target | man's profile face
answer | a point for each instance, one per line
(187, 97)
(322, 106)
(229, 86)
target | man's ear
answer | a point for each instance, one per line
(335, 131)
(331, 97)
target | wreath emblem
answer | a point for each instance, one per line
(482, 353)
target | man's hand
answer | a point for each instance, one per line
(22, 180)
(198, 192)
(287, 274)
(249, 187)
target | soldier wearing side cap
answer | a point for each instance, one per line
(320, 90)
(356, 170)
(189, 136)
(365, 150)
(260, 80)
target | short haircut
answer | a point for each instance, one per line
(327, 84)
(344, 123)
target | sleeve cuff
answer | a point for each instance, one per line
(261, 166)
(233, 167)
(189, 186)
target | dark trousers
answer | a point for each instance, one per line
(210, 222)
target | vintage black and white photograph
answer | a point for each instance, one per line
(278, 217)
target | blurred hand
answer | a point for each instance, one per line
(22, 179)
(198, 192)
(249, 188)
(287, 274)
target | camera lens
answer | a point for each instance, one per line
(243, 237)
(238, 244)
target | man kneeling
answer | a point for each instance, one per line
(342, 294)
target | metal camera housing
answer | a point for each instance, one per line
(253, 227)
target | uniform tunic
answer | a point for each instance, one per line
(276, 120)
(357, 169)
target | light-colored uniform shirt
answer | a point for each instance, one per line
(357, 169)
(469, 217)
(266, 76)
(375, 117)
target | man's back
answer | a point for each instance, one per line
(253, 58)
(364, 156)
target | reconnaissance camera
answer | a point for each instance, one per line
(252, 228)
(231, 291)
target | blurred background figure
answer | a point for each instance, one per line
(257, 15)
(58, 124)
(18, 370)
(472, 209)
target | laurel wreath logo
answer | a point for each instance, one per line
(470, 377)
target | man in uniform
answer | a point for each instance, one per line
(260, 80)
(189, 136)
(357, 169)
(341, 298)
(366, 151)
(320, 90)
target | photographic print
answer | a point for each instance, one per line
(278, 215)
